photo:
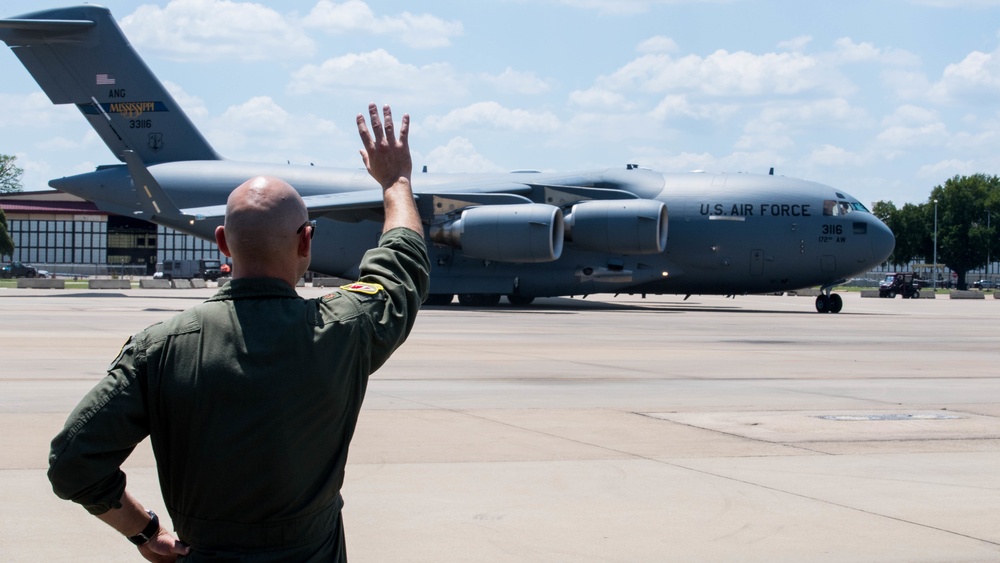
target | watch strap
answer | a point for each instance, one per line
(148, 532)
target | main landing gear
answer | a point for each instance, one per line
(829, 302)
(477, 299)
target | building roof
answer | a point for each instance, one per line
(49, 201)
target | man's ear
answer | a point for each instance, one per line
(305, 243)
(220, 239)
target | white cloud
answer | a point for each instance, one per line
(910, 115)
(421, 31)
(958, 3)
(192, 105)
(377, 73)
(930, 134)
(727, 74)
(947, 168)
(658, 44)
(779, 124)
(201, 30)
(913, 126)
(976, 76)
(459, 155)
(847, 51)
(598, 98)
(34, 110)
(261, 128)
(494, 116)
(511, 80)
(797, 44)
(829, 155)
(628, 7)
(907, 84)
(610, 128)
(679, 106)
(736, 162)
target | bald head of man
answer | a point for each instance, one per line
(262, 231)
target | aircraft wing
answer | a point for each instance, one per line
(346, 206)
(437, 199)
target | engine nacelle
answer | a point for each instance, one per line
(530, 232)
(619, 226)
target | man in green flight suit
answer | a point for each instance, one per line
(251, 398)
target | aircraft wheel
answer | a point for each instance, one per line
(439, 299)
(836, 303)
(520, 301)
(822, 304)
(479, 299)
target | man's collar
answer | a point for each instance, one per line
(248, 288)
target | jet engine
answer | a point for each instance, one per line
(619, 226)
(530, 232)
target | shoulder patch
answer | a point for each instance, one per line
(366, 288)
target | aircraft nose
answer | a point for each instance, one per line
(883, 241)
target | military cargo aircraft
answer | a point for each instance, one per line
(518, 235)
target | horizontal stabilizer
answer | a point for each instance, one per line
(49, 27)
(153, 201)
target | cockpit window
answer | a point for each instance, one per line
(835, 208)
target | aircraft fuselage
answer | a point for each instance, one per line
(727, 233)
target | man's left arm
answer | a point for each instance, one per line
(401, 267)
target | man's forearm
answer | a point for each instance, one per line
(400, 208)
(130, 519)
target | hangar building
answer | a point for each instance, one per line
(66, 235)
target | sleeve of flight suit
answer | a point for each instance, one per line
(86, 456)
(401, 266)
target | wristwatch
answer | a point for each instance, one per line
(148, 532)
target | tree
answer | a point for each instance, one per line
(964, 241)
(10, 174)
(909, 225)
(992, 228)
(887, 213)
(6, 243)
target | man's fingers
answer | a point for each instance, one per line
(366, 136)
(389, 131)
(404, 130)
(376, 126)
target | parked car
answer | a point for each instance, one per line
(984, 284)
(188, 269)
(18, 270)
(901, 283)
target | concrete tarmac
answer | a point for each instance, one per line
(606, 430)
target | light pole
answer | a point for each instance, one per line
(935, 245)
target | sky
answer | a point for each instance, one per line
(883, 99)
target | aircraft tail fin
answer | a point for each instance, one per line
(80, 56)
